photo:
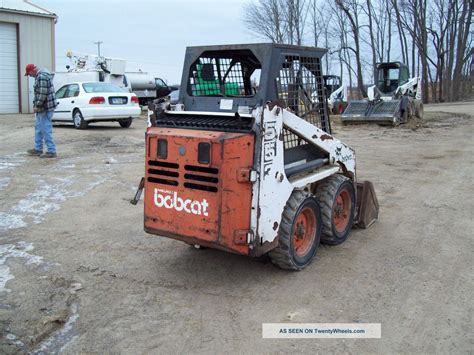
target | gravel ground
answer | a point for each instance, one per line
(78, 274)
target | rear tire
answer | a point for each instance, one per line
(336, 197)
(78, 120)
(126, 123)
(299, 233)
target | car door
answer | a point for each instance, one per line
(69, 101)
(59, 112)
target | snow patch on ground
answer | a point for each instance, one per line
(47, 198)
(12, 339)
(11, 221)
(9, 162)
(17, 250)
(4, 182)
(57, 342)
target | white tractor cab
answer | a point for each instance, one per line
(393, 99)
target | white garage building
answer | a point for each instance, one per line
(26, 36)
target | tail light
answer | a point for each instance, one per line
(134, 100)
(97, 100)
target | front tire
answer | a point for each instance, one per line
(299, 233)
(78, 120)
(336, 197)
(126, 123)
(419, 110)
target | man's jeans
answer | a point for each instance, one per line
(44, 130)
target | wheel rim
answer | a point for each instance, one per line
(304, 231)
(77, 119)
(342, 211)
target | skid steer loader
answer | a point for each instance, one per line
(336, 93)
(252, 170)
(392, 100)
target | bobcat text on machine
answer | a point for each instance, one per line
(392, 100)
(252, 170)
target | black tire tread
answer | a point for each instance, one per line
(281, 255)
(126, 123)
(325, 195)
(83, 124)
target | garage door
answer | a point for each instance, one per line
(8, 69)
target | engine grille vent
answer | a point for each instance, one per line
(163, 173)
(201, 178)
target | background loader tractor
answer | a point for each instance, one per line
(393, 99)
(336, 94)
(251, 170)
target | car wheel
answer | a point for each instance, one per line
(126, 123)
(299, 233)
(78, 120)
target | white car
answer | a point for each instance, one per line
(84, 102)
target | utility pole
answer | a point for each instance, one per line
(98, 46)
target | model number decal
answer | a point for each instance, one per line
(269, 146)
(171, 200)
(342, 158)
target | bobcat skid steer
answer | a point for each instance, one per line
(336, 93)
(245, 161)
(392, 100)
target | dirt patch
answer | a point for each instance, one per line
(81, 276)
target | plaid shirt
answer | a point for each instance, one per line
(44, 91)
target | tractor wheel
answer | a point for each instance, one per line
(419, 110)
(336, 197)
(338, 108)
(408, 113)
(404, 117)
(299, 233)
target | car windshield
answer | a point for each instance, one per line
(101, 87)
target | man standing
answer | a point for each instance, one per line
(44, 104)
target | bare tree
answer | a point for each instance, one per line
(433, 37)
(321, 16)
(463, 51)
(351, 9)
(266, 19)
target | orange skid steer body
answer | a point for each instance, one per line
(207, 202)
(252, 170)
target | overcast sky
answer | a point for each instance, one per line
(149, 35)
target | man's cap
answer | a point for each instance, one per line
(29, 68)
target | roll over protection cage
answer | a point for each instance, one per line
(291, 75)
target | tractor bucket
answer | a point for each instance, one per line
(367, 211)
(380, 111)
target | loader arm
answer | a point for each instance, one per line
(277, 180)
